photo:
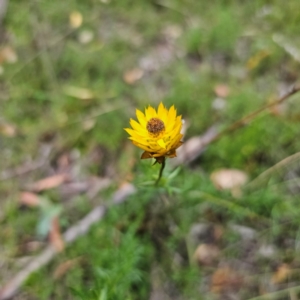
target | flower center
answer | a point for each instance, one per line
(155, 126)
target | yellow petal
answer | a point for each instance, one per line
(162, 113)
(173, 122)
(141, 118)
(133, 133)
(170, 126)
(144, 147)
(176, 142)
(138, 127)
(172, 114)
(130, 131)
(150, 113)
(139, 140)
(176, 126)
(154, 147)
(175, 131)
(178, 120)
(161, 143)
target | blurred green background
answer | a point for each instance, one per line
(72, 74)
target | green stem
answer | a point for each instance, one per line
(163, 163)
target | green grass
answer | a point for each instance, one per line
(203, 44)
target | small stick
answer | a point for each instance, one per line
(241, 122)
(193, 147)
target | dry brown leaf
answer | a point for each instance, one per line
(133, 75)
(206, 254)
(79, 93)
(64, 267)
(8, 54)
(49, 182)
(225, 279)
(224, 179)
(75, 19)
(281, 274)
(29, 199)
(8, 130)
(55, 235)
(222, 90)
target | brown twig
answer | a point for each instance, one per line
(72, 234)
(193, 147)
(245, 120)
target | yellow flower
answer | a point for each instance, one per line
(156, 132)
